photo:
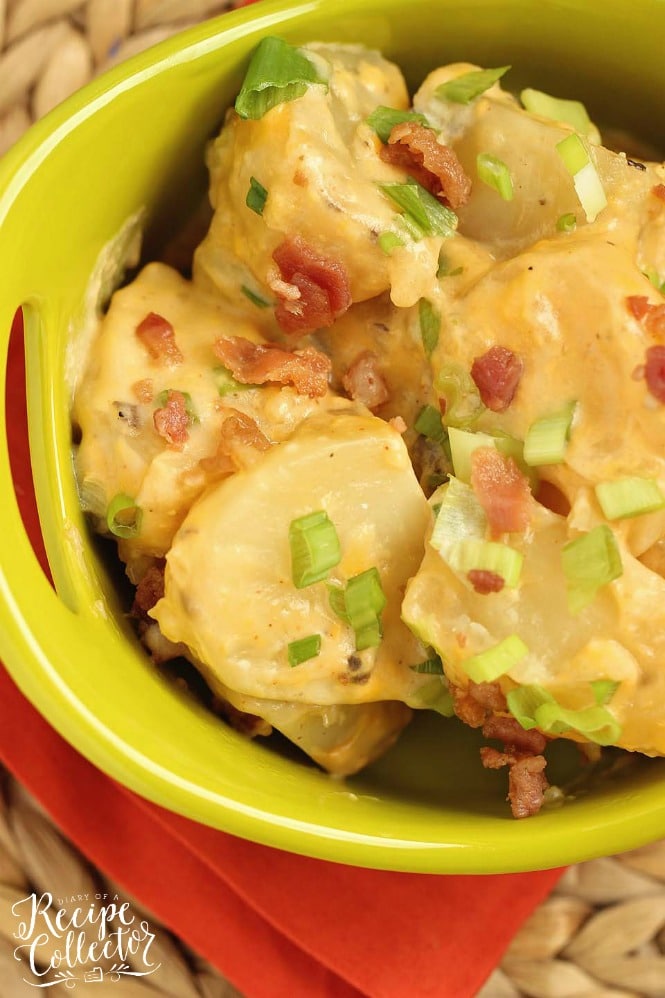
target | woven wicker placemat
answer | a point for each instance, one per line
(601, 933)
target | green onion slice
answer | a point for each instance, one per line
(472, 553)
(429, 424)
(535, 707)
(383, 120)
(603, 690)
(163, 398)
(315, 548)
(497, 661)
(277, 73)
(589, 563)
(257, 196)
(430, 325)
(460, 516)
(494, 172)
(465, 88)
(302, 650)
(430, 667)
(254, 298)
(360, 605)
(462, 445)
(547, 439)
(226, 383)
(571, 112)
(567, 222)
(422, 212)
(626, 497)
(123, 516)
(463, 403)
(588, 186)
(389, 241)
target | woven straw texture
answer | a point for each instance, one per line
(601, 933)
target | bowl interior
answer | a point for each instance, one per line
(133, 142)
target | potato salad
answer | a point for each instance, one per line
(397, 442)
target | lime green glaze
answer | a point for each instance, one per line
(134, 139)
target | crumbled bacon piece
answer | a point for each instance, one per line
(473, 703)
(364, 382)
(638, 305)
(256, 363)
(527, 784)
(172, 419)
(149, 590)
(501, 489)
(651, 315)
(435, 166)
(659, 191)
(321, 288)
(490, 695)
(143, 391)
(515, 738)
(496, 375)
(654, 372)
(158, 337)
(484, 581)
(239, 436)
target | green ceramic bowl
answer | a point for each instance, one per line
(134, 139)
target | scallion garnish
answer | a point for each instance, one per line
(430, 667)
(463, 403)
(497, 661)
(535, 707)
(257, 196)
(429, 424)
(473, 554)
(423, 213)
(566, 222)
(459, 517)
(389, 241)
(603, 690)
(494, 172)
(360, 605)
(571, 112)
(588, 186)
(277, 73)
(462, 445)
(547, 439)
(254, 298)
(465, 88)
(383, 120)
(589, 563)
(302, 650)
(226, 383)
(163, 398)
(315, 548)
(123, 516)
(430, 325)
(627, 497)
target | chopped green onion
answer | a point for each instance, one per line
(571, 112)
(163, 398)
(434, 695)
(123, 516)
(389, 241)
(429, 424)
(460, 516)
(336, 598)
(430, 667)
(462, 445)
(547, 439)
(446, 270)
(383, 120)
(626, 497)
(430, 325)
(277, 73)
(360, 604)
(535, 707)
(497, 661)
(472, 553)
(422, 211)
(604, 690)
(654, 277)
(302, 650)
(567, 222)
(589, 563)
(226, 383)
(315, 548)
(588, 186)
(494, 172)
(465, 88)
(254, 298)
(463, 403)
(257, 196)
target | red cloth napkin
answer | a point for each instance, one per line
(277, 925)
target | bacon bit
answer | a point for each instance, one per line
(323, 286)
(435, 166)
(172, 419)
(551, 497)
(158, 337)
(527, 784)
(654, 372)
(256, 363)
(638, 305)
(149, 590)
(496, 375)
(475, 702)
(659, 191)
(652, 316)
(398, 424)
(144, 391)
(490, 695)
(238, 434)
(501, 489)
(485, 582)
(364, 382)
(515, 738)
